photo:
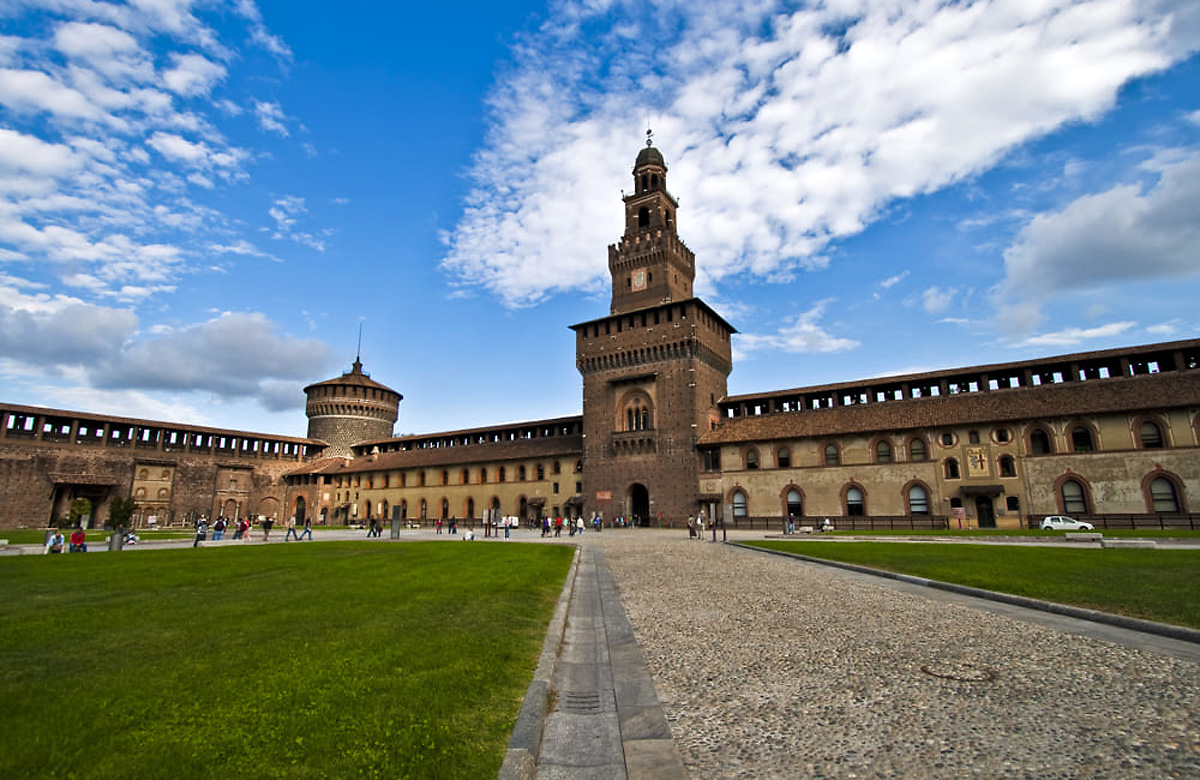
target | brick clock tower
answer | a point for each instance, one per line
(653, 369)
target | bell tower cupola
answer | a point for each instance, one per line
(650, 265)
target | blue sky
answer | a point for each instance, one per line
(200, 202)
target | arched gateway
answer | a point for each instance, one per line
(638, 502)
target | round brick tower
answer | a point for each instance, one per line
(350, 409)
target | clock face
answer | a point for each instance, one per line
(639, 280)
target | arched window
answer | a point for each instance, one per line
(445, 509)
(739, 504)
(951, 467)
(783, 458)
(521, 473)
(502, 474)
(1081, 439)
(445, 477)
(883, 452)
(752, 459)
(1163, 495)
(1008, 466)
(1039, 442)
(1074, 498)
(1151, 436)
(833, 456)
(855, 505)
(424, 509)
(483, 476)
(464, 477)
(470, 507)
(643, 217)
(918, 500)
(917, 450)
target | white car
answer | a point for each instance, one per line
(1061, 523)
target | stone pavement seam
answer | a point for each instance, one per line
(1121, 621)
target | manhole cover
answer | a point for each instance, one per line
(961, 672)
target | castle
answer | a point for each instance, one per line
(1111, 435)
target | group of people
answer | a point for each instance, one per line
(242, 530)
(55, 542)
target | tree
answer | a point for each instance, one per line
(119, 512)
(80, 507)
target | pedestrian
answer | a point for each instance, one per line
(557, 527)
(78, 540)
(242, 527)
(439, 525)
(691, 523)
(307, 529)
(201, 531)
(291, 530)
(267, 523)
(791, 523)
(373, 528)
(507, 525)
(219, 528)
(700, 528)
(579, 525)
(454, 525)
(545, 526)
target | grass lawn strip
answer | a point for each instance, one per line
(1149, 584)
(341, 659)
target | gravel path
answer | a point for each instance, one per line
(768, 668)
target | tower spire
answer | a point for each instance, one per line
(358, 353)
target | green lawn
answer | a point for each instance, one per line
(332, 660)
(1151, 584)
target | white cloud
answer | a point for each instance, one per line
(193, 74)
(802, 334)
(1071, 337)
(784, 130)
(935, 300)
(230, 356)
(1129, 233)
(271, 117)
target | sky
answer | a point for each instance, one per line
(202, 202)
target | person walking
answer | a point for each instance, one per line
(291, 530)
(219, 528)
(579, 525)
(439, 526)
(267, 523)
(307, 529)
(201, 530)
(557, 527)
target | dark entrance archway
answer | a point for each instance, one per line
(301, 510)
(985, 511)
(639, 504)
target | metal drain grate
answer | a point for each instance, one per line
(580, 701)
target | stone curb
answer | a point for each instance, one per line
(1134, 624)
(520, 761)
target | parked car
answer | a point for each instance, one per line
(1062, 523)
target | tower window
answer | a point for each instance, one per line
(643, 217)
